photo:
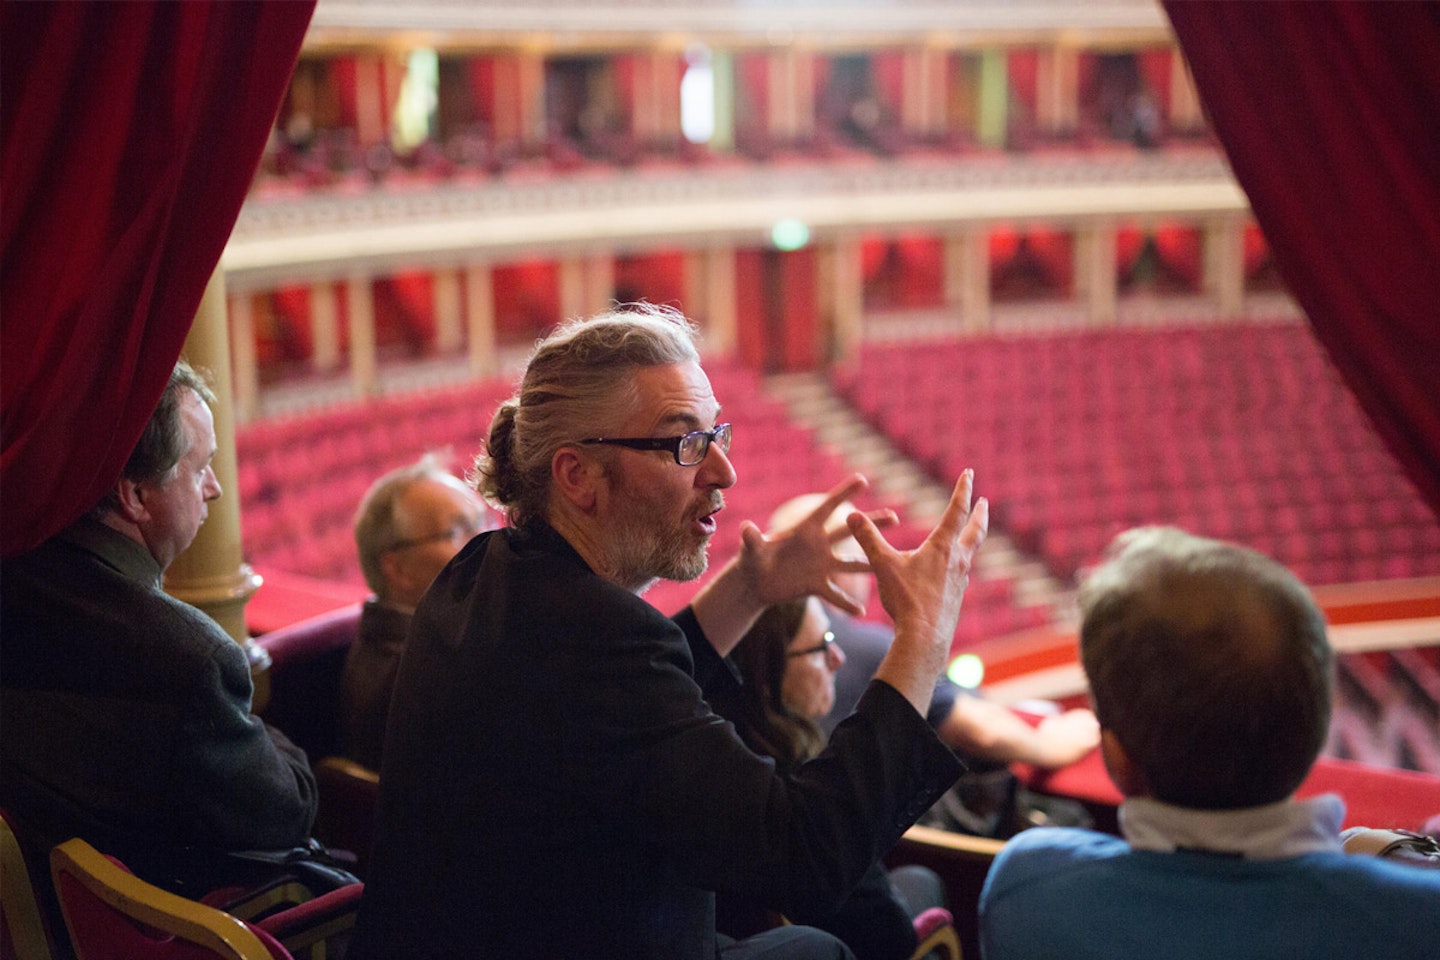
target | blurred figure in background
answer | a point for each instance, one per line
(408, 525)
(787, 665)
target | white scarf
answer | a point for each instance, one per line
(1276, 831)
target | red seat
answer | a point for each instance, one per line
(111, 913)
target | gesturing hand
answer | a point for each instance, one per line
(922, 589)
(800, 560)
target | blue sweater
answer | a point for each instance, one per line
(1074, 894)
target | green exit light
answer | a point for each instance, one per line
(967, 670)
(789, 234)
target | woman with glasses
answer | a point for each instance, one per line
(787, 665)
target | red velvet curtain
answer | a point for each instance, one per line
(129, 135)
(1328, 112)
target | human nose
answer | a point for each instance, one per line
(835, 655)
(212, 485)
(716, 469)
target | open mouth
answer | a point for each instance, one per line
(706, 521)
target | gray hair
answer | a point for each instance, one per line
(577, 381)
(1210, 664)
(375, 527)
(162, 443)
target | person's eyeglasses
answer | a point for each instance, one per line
(822, 647)
(457, 533)
(688, 450)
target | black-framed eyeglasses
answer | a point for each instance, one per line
(456, 533)
(822, 647)
(687, 449)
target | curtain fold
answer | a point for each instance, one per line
(1328, 112)
(129, 136)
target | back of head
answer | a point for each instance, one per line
(1209, 663)
(577, 383)
(163, 441)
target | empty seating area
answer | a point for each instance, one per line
(302, 477)
(1387, 709)
(1240, 431)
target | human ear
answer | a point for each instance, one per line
(394, 572)
(576, 477)
(131, 496)
(1128, 777)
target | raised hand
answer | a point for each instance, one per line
(800, 560)
(780, 565)
(922, 589)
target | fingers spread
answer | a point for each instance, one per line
(863, 529)
(978, 526)
(750, 535)
(958, 509)
(842, 600)
(846, 489)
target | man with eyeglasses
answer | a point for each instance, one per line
(554, 782)
(409, 524)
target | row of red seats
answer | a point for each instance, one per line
(301, 479)
(1287, 463)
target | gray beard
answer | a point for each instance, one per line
(637, 559)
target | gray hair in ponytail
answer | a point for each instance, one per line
(578, 380)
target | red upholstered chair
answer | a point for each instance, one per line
(306, 659)
(113, 915)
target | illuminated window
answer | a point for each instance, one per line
(415, 110)
(697, 97)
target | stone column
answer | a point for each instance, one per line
(572, 287)
(1185, 112)
(847, 286)
(667, 71)
(449, 318)
(369, 97)
(211, 574)
(719, 300)
(1095, 277)
(506, 107)
(242, 349)
(923, 98)
(656, 116)
(967, 277)
(802, 75)
(480, 313)
(325, 323)
(791, 94)
(363, 370)
(1225, 265)
(1057, 94)
(532, 98)
(599, 283)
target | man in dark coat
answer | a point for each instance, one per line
(554, 782)
(125, 713)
